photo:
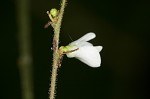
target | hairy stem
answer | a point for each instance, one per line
(56, 56)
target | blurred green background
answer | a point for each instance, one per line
(122, 28)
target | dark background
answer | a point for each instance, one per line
(122, 28)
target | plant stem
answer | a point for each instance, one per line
(25, 57)
(56, 56)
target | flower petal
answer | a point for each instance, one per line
(86, 52)
(81, 44)
(99, 48)
(84, 38)
(73, 46)
(89, 55)
(87, 37)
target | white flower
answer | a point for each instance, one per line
(85, 51)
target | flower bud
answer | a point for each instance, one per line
(54, 12)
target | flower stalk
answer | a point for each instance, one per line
(56, 24)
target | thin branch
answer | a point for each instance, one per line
(56, 55)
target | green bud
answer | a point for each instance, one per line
(54, 12)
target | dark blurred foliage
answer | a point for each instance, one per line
(122, 28)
